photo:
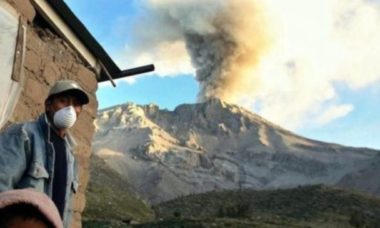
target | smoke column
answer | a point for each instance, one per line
(225, 40)
(225, 58)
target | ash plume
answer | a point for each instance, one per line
(281, 59)
(225, 40)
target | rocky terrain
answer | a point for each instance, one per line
(213, 146)
(366, 179)
(109, 197)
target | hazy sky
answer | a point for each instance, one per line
(311, 66)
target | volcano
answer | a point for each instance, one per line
(216, 146)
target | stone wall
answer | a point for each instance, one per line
(49, 58)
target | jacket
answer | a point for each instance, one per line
(27, 161)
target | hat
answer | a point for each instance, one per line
(70, 87)
(37, 199)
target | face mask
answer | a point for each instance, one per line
(65, 117)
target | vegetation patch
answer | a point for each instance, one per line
(312, 206)
(111, 202)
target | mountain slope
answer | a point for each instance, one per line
(366, 179)
(110, 197)
(211, 146)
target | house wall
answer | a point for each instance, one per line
(49, 58)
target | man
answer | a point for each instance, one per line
(39, 154)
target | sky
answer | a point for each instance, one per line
(310, 66)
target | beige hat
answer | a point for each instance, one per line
(69, 86)
(29, 196)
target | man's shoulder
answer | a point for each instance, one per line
(22, 128)
(15, 128)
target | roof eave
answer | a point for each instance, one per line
(62, 19)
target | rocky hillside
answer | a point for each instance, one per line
(213, 146)
(366, 179)
(111, 198)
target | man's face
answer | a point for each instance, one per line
(61, 101)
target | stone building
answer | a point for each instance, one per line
(42, 41)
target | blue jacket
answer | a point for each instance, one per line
(27, 161)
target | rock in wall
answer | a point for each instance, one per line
(49, 58)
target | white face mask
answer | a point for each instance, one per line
(65, 117)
